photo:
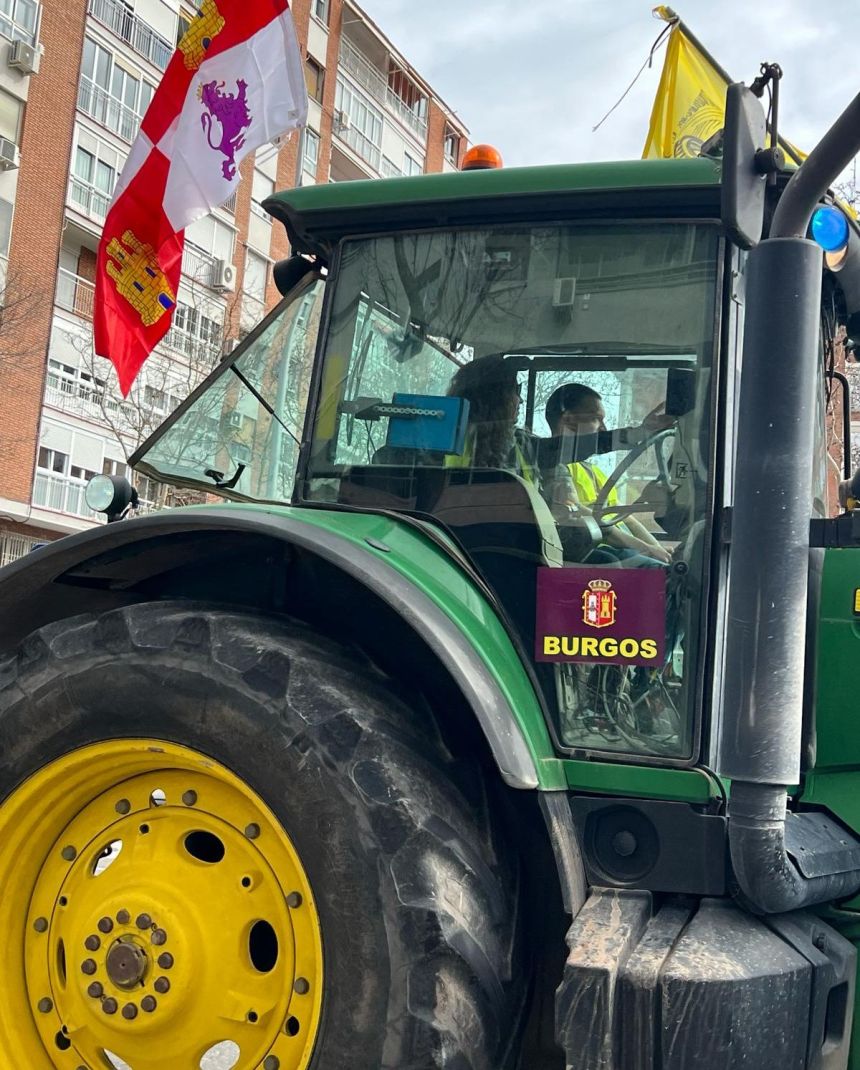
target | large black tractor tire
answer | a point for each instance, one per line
(423, 948)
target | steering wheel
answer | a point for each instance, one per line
(610, 515)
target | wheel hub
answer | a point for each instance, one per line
(169, 916)
(126, 963)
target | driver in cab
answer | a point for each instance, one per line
(576, 409)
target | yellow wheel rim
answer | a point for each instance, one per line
(154, 914)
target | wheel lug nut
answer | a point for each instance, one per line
(129, 1011)
(302, 986)
(96, 990)
(45, 1005)
(92, 943)
(123, 917)
(159, 936)
(148, 1004)
(123, 806)
(143, 921)
(69, 853)
(109, 1005)
(252, 831)
(189, 798)
(41, 925)
(294, 900)
(105, 925)
(161, 985)
(165, 960)
(271, 1062)
(88, 967)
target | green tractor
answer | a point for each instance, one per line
(501, 717)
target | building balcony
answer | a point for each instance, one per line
(361, 145)
(75, 294)
(107, 110)
(194, 350)
(133, 30)
(372, 80)
(88, 200)
(389, 169)
(62, 494)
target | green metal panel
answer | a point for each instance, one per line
(642, 781)
(504, 182)
(838, 657)
(430, 570)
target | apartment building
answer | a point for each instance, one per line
(75, 80)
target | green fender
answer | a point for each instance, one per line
(406, 565)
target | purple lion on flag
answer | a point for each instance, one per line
(231, 112)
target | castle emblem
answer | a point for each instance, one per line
(230, 110)
(205, 25)
(598, 604)
(138, 278)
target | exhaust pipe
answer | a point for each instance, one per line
(768, 568)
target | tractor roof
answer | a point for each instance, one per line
(318, 216)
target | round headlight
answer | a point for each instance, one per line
(100, 493)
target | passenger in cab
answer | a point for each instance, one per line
(493, 439)
(578, 410)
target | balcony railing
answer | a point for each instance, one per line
(362, 145)
(198, 264)
(389, 169)
(402, 109)
(133, 30)
(87, 199)
(62, 493)
(107, 110)
(193, 349)
(75, 294)
(375, 82)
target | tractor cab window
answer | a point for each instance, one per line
(544, 395)
(238, 434)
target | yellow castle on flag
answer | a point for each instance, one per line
(206, 24)
(134, 268)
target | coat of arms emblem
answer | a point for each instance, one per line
(598, 604)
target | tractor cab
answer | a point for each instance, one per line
(539, 395)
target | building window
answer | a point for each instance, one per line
(254, 290)
(95, 168)
(53, 461)
(195, 334)
(321, 11)
(311, 152)
(19, 20)
(411, 166)
(261, 187)
(359, 123)
(10, 115)
(5, 226)
(110, 93)
(315, 77)
(452, 145)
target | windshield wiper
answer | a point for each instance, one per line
(263, 402)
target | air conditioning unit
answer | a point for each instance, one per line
(9, 155)
(26, 57)
(564, 292)
(342, 121)
(223, 276)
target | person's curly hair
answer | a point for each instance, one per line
(487, 384)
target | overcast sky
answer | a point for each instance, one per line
(534, 76)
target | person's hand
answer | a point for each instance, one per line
(657, 420)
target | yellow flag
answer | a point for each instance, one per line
(691, 98)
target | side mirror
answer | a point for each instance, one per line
(111, 495)
(290, 272)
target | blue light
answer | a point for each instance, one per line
(829, 228)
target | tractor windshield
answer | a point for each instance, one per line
(544, 394)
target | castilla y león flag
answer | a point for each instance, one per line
(235, 83)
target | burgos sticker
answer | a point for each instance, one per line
(601, 615)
